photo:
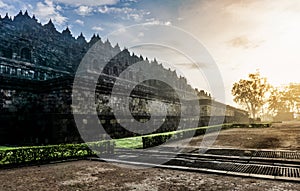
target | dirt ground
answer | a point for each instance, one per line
(281, 136)
(92, 175)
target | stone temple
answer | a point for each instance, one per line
(37, 69)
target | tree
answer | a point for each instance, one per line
(286, 100)
(277, 101)
(293, 97)
(251, 93)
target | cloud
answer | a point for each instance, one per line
(3, 5)
(168, 23)
(6, 7)
(189, 65)
(88, 2)
(84, 10)
(106, 9)
(103, 9)
(80, 22)
(59, 8)
(97, 28)
(125, 13)
(141, 34)
(47, 10)
(153, 21)
(135, 17)
(243, 42)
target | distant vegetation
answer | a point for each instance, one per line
(259, 97)
(286, 99)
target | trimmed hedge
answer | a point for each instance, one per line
(152, 141)
(158, 139)
(45, 154)
(260, 125)
(251, 125)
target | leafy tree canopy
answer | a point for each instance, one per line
(251, 93)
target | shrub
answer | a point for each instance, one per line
(44, 154)
(158, 139)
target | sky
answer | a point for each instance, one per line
(241, 36)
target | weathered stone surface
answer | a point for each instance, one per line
(37, 69)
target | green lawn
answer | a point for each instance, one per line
(136, 142)
(132, 142)
(129, 143)
(5, 148)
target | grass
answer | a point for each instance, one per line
(134, 142)
(137, 142)
(129, 143)
(6, 148)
